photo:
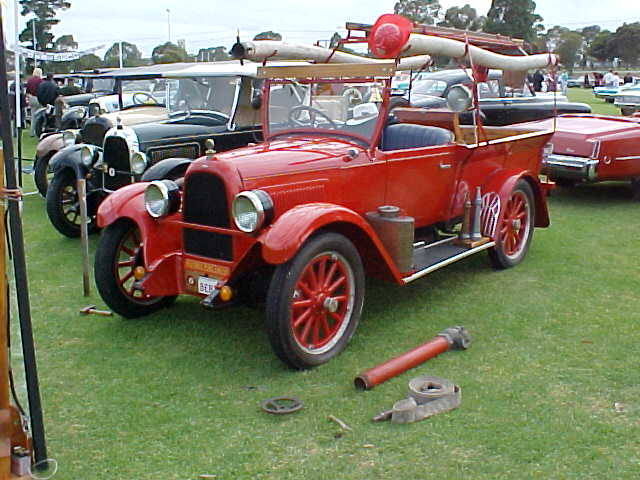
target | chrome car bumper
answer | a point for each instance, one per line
(567, 166)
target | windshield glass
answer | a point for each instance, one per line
(331, 107)
(204, 94)
(429, 87)
(102, 84)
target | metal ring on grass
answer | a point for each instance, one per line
(281, 405)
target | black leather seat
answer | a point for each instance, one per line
(407, 135)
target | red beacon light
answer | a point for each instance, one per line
(389, 35)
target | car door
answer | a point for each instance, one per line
(420, 181)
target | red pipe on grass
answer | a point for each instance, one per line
(450, 338)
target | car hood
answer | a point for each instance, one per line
(575, 134)
(287, 156)
(161, 131)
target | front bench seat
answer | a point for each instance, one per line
(406, 135)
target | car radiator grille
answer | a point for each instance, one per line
(93, 134)
(116, 153)
(205, 203)
(191, 150)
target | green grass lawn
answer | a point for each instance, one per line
(176, 394)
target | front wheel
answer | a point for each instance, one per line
(63, 206)
(118, 253)
(315, 301)
(41, 174)
(515, 230)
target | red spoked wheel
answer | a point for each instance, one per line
(315, 301)
(515, 229)
(119, 252)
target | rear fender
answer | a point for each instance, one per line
(49, 145)
(285, 237)
(503, 183)
(69, 157)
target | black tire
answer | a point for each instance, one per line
(627, 111)
(120, 248)
(635, 189)
(63, 208)
(513, 239)
(336, 311)
(41, 174)
(565, 182)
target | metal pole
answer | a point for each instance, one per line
(20, 270)
(169, 23)
(84, 235)
(35, 44)
(120, 47)
(18, 90)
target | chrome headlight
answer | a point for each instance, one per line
(161, 197)
(138, 162)
(87, 155)
(69, 137)
(251, 210)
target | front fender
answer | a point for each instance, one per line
(503, 183)
(49, 144)
(123, 204)
(281, 241)
(163, 168)
(69, 157)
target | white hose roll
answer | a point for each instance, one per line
(426, 44)
(276, 50)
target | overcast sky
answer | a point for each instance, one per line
(208, 23)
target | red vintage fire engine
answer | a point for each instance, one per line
(333, 193)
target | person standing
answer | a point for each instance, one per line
(538, 78)
(48, 91)
(609, 79)
(627, 78)
(32, 95)
(563, 79)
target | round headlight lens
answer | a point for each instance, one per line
(251, 209)
(161, 197)
(69, 138)
(86, 156)
(138, 163)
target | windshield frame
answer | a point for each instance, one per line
(367, 142)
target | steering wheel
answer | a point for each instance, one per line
(312, 116)
(146, 98)
(353, 96)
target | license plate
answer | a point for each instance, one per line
(206, 285)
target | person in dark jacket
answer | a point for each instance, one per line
(48, 91)
(538, 78)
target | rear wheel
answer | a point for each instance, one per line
(515, 229)
(41, 174)
(315, 301)
(118, 253)
(63, 207)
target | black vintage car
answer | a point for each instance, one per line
(498, 105)
(209, 106)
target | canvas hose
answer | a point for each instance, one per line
(427, 397)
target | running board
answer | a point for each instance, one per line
(441, 257)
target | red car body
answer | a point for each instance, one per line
(320, 184)
(593, 148)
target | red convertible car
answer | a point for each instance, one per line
(332, 194)
(593, 148)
